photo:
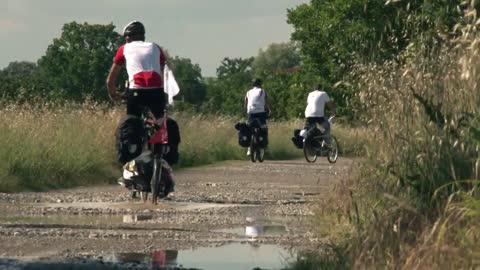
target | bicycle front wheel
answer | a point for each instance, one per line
(309, 152)
(332, 154)
(156, 178)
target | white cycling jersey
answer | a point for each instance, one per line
(256, 100)
(144, 62)
(316, 104)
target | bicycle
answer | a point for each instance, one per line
(315, 145)
(257, 142)
(155, 146)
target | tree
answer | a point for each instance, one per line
(226, 93)
(277, 57)
(19, 81)
(76, 64)
(190, 80)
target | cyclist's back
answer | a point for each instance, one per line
(144, 62)
(315, 111)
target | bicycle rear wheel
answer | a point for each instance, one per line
(253, 149)
(260, 153)
(309, 152)
(332, 154)
(155, 181)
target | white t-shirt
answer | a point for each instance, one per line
(256, 100)
(316, 104)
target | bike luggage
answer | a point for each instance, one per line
(129, 138)
(297, 139)
(244, 134)
(140, 171)
(263, 138)
(173, 156)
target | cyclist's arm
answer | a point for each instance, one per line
(111, 82)
(267, 105)
(245, 103)
(163, 60)
(331, 106)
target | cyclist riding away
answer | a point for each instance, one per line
(315, 112)
(145, 62)
(256, 106)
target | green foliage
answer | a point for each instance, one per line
(20, 81)
(278, 57)
(76, 65)
(226, 93)
(190, 80)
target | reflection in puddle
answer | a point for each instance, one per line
(255, 231)
(254, 228)
(231, 256)
(161, 258)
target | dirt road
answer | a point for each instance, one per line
(226, 206)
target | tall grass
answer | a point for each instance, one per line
(45, 148)
(51, 146)
(415, 203)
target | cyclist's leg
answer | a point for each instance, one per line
(134, 106)
(310, 124)
(326, 125)
(156, 101)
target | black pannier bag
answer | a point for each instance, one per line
(173, 141)
(263, 138)
(297, 139)
(129, 138)
(244, 134)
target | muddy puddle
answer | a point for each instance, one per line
(229, 256)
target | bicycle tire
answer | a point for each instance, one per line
(260, 154)
(253, 149)
(332, 154)
(157, 174)
(307, 152)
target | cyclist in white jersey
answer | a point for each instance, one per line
(315, 111)
(145, 62)
(256, 106)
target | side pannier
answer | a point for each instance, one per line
(129, 138)
(297, 139)
(244, 134)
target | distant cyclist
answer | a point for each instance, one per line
(145, 62)
(256, 106)
(315, 112)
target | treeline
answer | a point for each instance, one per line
(329, 37)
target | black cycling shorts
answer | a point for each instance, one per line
(153, 99)
(311, 121)
(262, 118)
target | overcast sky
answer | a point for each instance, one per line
(205, 31)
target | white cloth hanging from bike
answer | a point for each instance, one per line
(170, 85)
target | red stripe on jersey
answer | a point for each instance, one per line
(119, 58)
(148, 79)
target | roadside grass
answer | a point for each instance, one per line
(47, 146)
(415, 201)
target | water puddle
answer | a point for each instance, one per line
(231, 256)
(255, 227)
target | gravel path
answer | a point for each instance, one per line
(212, 206)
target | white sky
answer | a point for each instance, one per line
(205, 31)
